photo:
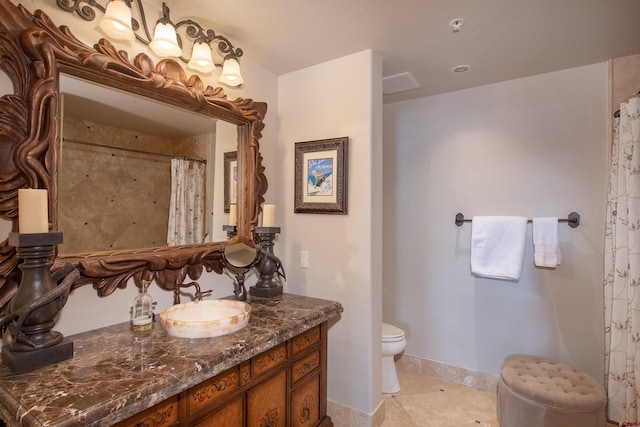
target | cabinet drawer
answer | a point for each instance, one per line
(305, 365)
(305, 340)
(268, 360)
(213, 389)
(161, 415)
(305, 404)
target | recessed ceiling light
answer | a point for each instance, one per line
(459, 69)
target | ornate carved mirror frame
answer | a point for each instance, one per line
(33, 53)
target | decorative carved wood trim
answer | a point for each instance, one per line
(33, 51)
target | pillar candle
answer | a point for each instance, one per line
(233, 214)
(33, 211)
(269, 215)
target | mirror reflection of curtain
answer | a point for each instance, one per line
(622, 269)
(186, 208)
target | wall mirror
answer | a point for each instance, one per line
(41, 59)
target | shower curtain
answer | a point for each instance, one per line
(622, 268)
(186, 207)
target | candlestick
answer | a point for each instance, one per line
(33, 211)
(269, 215)
(231, 230)
(36, 304)
(233, 214)
(268, 265)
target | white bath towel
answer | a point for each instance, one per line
(497, 246)
(546, 249)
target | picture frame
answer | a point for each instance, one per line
(321, 176)
(230, 179)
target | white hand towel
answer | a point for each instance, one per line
(497, 246)
(546, 249)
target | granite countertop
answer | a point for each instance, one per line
(115, 374)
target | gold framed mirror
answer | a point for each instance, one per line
(33, 54)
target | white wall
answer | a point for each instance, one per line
(334, 99)
(84, 309)
(533, 147)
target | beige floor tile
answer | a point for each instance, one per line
(477, 404)
(435, 409)
(424, 401)
(412, 383)
(395, 415)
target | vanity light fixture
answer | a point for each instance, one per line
(118, 24)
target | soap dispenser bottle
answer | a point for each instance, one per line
(142, 310)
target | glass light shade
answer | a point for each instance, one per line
(231, 73)
(116, 21)
(201, 58)
(165, 42)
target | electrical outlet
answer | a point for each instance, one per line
(304, 259)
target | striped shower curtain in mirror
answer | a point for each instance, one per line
(622, 268)
(186, 208)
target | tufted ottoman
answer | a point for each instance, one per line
(536, 392)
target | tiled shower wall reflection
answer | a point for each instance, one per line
(111, 199)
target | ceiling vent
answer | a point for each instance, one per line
(399, 83)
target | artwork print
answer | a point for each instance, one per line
(321, 176)
(230, 179)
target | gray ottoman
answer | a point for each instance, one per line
(537, 392)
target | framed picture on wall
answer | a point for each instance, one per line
(321, 176)
(230, 179)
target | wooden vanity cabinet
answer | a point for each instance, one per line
(281, 387)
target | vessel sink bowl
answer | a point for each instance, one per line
(205, 319)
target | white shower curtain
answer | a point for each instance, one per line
(622, 268)
(186, 208)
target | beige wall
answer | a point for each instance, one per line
(533, 147)
(344, 250)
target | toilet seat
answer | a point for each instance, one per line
(391, 334)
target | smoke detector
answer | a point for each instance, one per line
(456, 24)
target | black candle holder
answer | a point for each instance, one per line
(37, 301)
(231, 230)
(268, 265)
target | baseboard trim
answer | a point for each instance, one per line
(443, 371)
(345, 416)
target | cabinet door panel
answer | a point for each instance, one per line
(267, 403)
(231, 415)
(305, 404)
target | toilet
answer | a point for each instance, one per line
(393, 342)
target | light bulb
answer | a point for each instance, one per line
(165, 42)
(116, 21)
(201, 58)
(231, 72)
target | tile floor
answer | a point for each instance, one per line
(424, 401)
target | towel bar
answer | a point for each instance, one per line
(572, 220)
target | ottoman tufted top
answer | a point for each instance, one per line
(553, 384)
